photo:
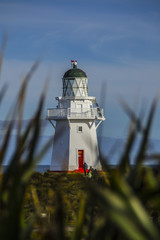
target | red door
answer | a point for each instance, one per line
(81, 159)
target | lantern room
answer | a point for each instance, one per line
(75, 82)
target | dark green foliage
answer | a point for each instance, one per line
(14, 180)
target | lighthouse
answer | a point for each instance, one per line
(75, 120)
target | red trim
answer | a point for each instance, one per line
(73, 171)
(77, 171)
(80, 160)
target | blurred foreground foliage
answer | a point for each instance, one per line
(121, 203)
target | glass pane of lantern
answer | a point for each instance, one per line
(71, 81)
(78, 93)
(72, 94)
(80, 83)
(75, 91)
(74, 85)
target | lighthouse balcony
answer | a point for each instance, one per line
(75, 113)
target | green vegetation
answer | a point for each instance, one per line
(121, 203)
(107, 206)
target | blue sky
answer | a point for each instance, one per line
(116, 42)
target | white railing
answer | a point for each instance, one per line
(54, 113)
(57, 112)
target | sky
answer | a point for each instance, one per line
(116, 42)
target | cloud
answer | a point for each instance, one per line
(108, 21)
(104, 31)
(13, 72)
(24, 123)
(126, 80)
(134, 81)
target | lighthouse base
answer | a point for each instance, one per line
(75, 143)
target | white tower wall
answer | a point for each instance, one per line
(60, 155)
(86, 141)
(68, 140)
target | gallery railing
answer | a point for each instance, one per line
(75, 113)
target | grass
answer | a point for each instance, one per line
(121, 203)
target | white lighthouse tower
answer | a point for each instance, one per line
(77, 117)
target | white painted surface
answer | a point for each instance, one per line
(68, 141)
(85, 140)
(60, 155)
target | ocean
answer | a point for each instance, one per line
(38, 168)
(42, 168)
(110, 148)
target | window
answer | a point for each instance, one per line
(79, 129)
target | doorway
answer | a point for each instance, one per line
(80, 159)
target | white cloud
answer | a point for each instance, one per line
(113, 24)
(135, 79)
(127, 79)
(13, 72)
(109, 34)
